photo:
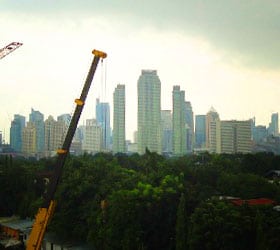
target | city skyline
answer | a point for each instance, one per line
(222, 54)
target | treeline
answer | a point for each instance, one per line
(152, 202)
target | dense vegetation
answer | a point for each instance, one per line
(152, 202)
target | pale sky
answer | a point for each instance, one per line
(223, 53)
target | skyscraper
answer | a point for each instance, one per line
(211, 117)
(119, 120)
(200, 131)
(189, 127)
(273, 128)
(50, 125)
(92, 142)
(16, 128)
(166, 126)
(149, 129)
(55, 132)
(29, 143)
(179, 121)
(37, 118)
(103, 119)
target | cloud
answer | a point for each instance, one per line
(247, 30)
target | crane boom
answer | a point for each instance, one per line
(9, 48)
(45, 212)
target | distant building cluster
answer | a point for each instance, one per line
(173, 132)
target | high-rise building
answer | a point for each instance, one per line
(55, 132)
(16, 128)
(92, 142)
(103, 119)
(37, 118)
(189, 127)
(65, 118)
(211, 117)
(63, 122)
(119, 144)
(179, 121)
(166, 126)
(29, 143)
(273, 128)
(200, 131)
(50, 125)
(233, 137)
(259, 133)
(149, 129)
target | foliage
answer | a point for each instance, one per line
(149, 201)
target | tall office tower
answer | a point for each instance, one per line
(233, 137)
(103, 119)
(273, 128)
(63, 122)
(119, 145)
(29, 143)
(166, 128)
(92, 142)
(50, 125)
(189, 127)
(211, 117)
(200, 131)
(149, 129)
(79, 135)
(55, 132)
(16, 128)
(38, 120)
(259, 133)
(66, 118)
(179, 121)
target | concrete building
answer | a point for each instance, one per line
(200, 131)
(50, 124)
(37, 118)
(119, 145)
(103, 120)
(55, 132)
(179, 121)
(149, 129)
(190, 127)
(259, 133)
(211, 117)
(273, 128)
(92, 142)
(17, 125)
(233, 137)
(29, 143)
(166, 128)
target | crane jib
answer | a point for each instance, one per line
(45, 212)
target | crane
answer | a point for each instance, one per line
(45, 212)
(9, 48)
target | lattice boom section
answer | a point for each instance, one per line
(9, 48)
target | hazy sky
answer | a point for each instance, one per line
(223, 53)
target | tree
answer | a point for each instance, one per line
(181, 224)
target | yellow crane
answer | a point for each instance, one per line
(45, 212)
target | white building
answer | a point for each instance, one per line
(149, 129)
(179, 121)
(119, 144)
(92, 142)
